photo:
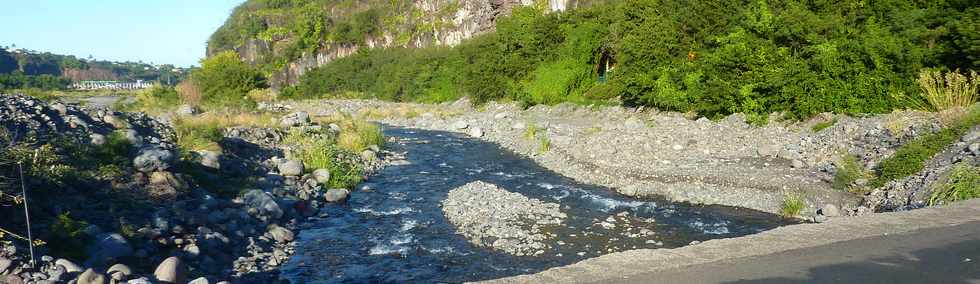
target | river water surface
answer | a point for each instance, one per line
(396, 232)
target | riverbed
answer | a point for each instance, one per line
(393, 230)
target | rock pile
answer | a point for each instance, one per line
(489, 216)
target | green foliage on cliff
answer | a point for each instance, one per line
(709, 57)
(224, 80)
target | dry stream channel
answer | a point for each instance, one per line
(397, 232)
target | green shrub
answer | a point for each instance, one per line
(963, 183)
(67, 237)
(224, 81)
(360, 135)
(195, 135)
(849, 169)
(823, 125)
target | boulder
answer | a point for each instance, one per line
(171, 270)
(70, 267)
(11, 279)
(322, 176)
(61, 108)
(369, 155)
(4, 264)
(154, 159)
(295, 119)
(460, 125)
(168, 179)
(291, 168)
(280, 234)
(119, 272)
(211, 159)
(108, 247)
(187, 110)
(262, 204)
(200, 280)
(519, 126)
(97, 139)
(336, 195)
(476, 132)
(115, 121)
(90, 277)
(830, 210)
(797, 164)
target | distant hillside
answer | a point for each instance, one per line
(288, 37)
(31, 69)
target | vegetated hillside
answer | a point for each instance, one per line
(709, 57)
(31, 69)
(287, 37)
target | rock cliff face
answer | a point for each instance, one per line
(420, 23)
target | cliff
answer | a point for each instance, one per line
(287, 38)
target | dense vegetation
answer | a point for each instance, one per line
(708, 57)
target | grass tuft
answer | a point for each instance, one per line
(849, 169)
(792, 206)
(823, 125)
(963, 183)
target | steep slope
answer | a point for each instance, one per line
(288, 37)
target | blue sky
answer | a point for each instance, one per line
(157, 31)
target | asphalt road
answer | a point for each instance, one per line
(938, 255)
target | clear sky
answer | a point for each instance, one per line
(157, 31)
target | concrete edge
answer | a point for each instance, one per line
(624, 264)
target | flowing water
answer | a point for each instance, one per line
(398, 233)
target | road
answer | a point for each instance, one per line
(938, 255)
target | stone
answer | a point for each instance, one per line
(171, 270)
(187, 110)
(168, 179)
(295, 119)
(133, 137)
(108, 247)
(119, 272)
(518, 126)
(820, 218)
(291, 168)
(797, 164)
(4, 264)
(90, 277)
(97, 139)
(460, 125)
(115, 121)
(974, 148)
(677, 147)
(369, 155)
(767, 151)
(322, 176)
(61, 108)
(336, 195)
(11, 279)
(263, 204)
(192, 250)
(210, 159)
(154, 159)
(70, 267)
(280, 234)
(830, 210)
(476, 132)
(56, 272)
(200, 280)
(501, 115)
(141, 280)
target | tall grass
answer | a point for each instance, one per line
(911, 157)
(792, 206)
(318, 153)
(360, 135)
(198, 134)
(951, 94)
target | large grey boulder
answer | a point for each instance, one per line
(295, 119)
(211, 159)
(154, 159)
(280, 234)
(70, 267)
(322, 176)
(171, 270)
(108, 247)
(263, 205)
(119, 272)
(336, 195)
(90, 277)
(187, 110)
(291, 168)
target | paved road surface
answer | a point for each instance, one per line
(939, 255)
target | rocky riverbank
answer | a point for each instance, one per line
(156, 218)
(641, 152)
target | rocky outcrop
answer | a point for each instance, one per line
(489, 216)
